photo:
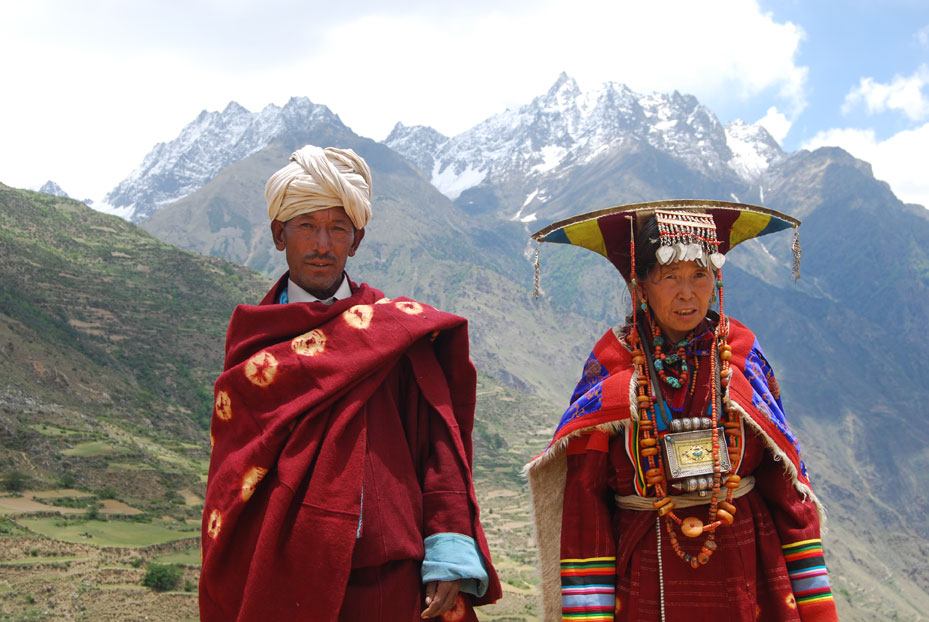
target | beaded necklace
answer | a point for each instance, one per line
(663, 362)
(721, 512)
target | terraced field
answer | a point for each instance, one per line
(48, 579)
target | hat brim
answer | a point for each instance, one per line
(607, 231)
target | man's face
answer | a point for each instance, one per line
(317, 246)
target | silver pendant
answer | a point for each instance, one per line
(665, 254)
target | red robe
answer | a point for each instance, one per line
(341, 439)
(601, 563)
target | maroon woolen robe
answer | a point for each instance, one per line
(341, 439)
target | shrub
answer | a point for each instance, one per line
(6, 526)
(15, 481)
(162, 578)
(107, 492)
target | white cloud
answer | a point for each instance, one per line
(903, 94)
(900, 160)
(98, 83)
(776, 123)
(922, 36)
(453, 75)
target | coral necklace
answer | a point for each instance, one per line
(722, 512)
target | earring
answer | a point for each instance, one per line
(645, 305)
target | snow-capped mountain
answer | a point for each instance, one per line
(211, 142)
(754, 150)
(546, 139)
(522, 156)
(52, 188)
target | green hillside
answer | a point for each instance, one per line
(109, 342)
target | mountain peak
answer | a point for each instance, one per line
(52, 188)
(564, 87)
(417, 143)
(234, 108)
(299, 102)
(753, 148)
(563, 129)
(204, 147)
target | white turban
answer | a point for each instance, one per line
(317, 179)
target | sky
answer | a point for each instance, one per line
(90, 87)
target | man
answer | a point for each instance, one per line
(340, 485)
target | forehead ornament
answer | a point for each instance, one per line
(688, 236)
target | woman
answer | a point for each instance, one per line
(673, 489)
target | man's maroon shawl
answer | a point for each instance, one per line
(285, 485)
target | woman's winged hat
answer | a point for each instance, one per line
(609, 231)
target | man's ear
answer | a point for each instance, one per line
(277, 233)
(359, 235)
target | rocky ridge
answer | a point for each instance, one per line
(207, 145)
(542, 143)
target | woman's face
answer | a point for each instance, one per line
(679, 295)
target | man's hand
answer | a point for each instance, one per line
(440, 596)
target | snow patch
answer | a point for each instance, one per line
(746, 160)
(452, 184)
(125, 212)
(552, 155)
(753, 150)
(529, 197)
(598, 151)
(518, 216)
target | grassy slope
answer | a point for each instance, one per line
(109, 341)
